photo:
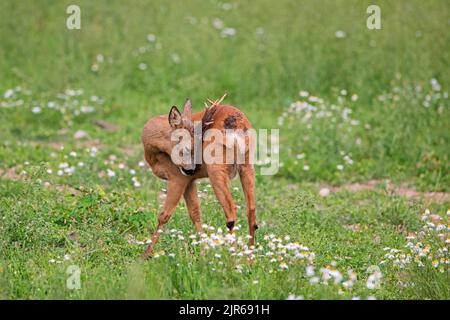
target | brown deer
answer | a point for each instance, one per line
(181, 178)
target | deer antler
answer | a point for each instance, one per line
(216, 102)
(221, 99)
(208, 117)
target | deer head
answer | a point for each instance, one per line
(183, 137)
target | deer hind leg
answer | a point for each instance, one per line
(247, 176)
(193, 205)
(218, 176)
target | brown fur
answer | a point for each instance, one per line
(230, 121)
(157, 149)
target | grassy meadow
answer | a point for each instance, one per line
(359, 208)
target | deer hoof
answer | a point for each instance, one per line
(146, 256)
(230, 224)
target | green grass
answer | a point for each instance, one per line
(396, 129)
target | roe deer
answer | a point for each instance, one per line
(181, 178)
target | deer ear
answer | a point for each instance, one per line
(175, 119)
(187, 109)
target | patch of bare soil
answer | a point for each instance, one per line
(64, 189)
(50, 144)
(432, 196)
(399, 190)
(9, 174)
(59, 144)
(106, 126)
(12, 174)
(128, 150)
(131, 150)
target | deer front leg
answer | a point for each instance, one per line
(175, 189)
(218, 175)
(247, 176)
(193, 205)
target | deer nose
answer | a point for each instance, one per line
(189, 166)
(187, 172)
